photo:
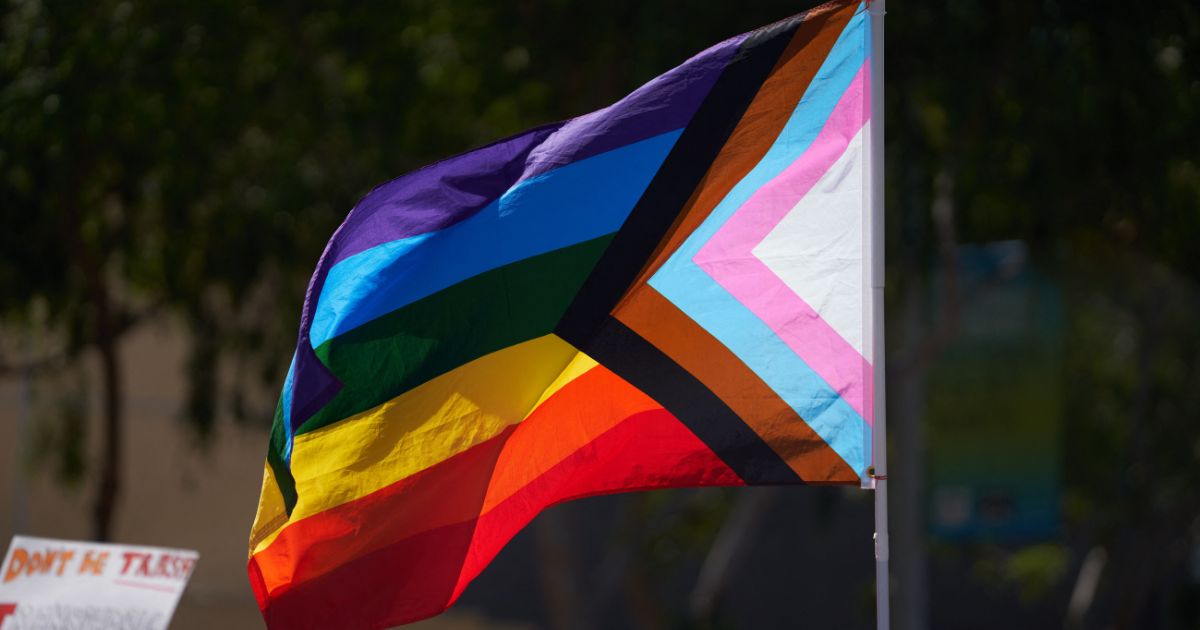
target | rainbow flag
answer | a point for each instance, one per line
(666, 292)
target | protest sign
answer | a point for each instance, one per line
(47, 583)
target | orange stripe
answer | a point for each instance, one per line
(649, 450)
(446, 493)
(566, 422)
(480, 477)
(414, 576)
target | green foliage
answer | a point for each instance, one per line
(58, 440)
(1073, 127)
(191, 159)
(1036, 569)
(200, 154)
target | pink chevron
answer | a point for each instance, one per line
(728, 258)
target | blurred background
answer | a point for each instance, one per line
(169, 173)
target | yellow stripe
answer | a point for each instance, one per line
(423, 426)
(271, 515)
(579, 364)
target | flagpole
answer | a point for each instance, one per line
(877, 9)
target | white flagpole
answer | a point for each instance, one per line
(879, 435)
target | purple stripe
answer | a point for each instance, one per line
(436, 196)
(664, 104)
(446, 192)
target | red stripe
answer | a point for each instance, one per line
(448, 493)
(576, 414)
(479, 478)
(648, 451)
(452, 492)
(403, 582)
(420, 575)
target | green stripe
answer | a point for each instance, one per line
(394, 353)
(409, 346)
(283, 476)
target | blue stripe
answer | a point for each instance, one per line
(569, 205)
(718, 312)
(287, 409)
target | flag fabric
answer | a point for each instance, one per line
(667, 292)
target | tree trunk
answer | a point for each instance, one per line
(923, 342)
(906, 504)
(1144, 547)
(110, 459)
(106, 326)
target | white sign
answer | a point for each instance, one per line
(46, 583)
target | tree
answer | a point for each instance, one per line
(1072, 126)
(192, 159)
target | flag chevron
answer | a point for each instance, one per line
(667, 292)
(699, 293)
